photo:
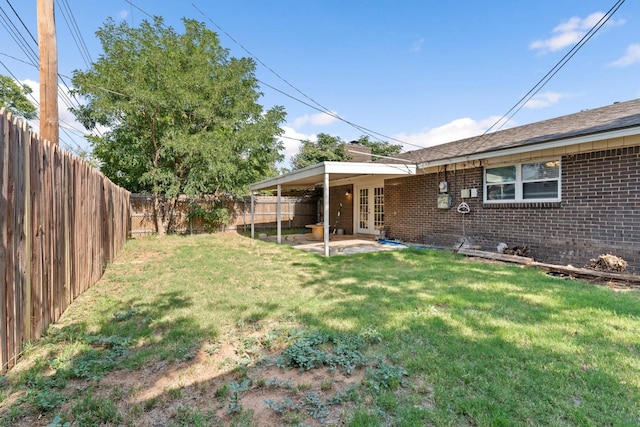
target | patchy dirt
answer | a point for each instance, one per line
(164, 394)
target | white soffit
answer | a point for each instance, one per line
(314, 174)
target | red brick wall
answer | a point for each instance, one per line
(337, 196)
(599, 212)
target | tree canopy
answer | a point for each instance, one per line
(182, 116)
(13, 97)
(380, 148)
(331, 148)
(327, 148)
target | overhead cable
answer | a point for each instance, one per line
(547, 77)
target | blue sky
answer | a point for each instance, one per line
(422, 72)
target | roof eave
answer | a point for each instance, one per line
(489, 154)
(293, 179)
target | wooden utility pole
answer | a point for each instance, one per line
(49, 122)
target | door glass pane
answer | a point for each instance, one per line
(364, 208)
(378, 207)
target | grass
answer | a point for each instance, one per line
(439, 340)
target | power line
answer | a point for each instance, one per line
(360, 128)
(63, 141)
(547, 77)
(139, 9)
(65, 96)
(21, 21)
(18, 38)
(17, 59)
(319, 107)
(18, 80)
(72, 24)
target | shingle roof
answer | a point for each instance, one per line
(619, 115)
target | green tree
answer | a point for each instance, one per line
(13, 97)
(326, 149)
(380, 148)
(182, 115)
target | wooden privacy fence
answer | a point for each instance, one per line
(61, 223)
(296, 213)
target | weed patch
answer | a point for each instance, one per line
(315, 350)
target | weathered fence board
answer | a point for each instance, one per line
(4, 237)
(296, 213)
(61, 223)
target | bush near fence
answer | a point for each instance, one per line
(61, 221)
(296, 213)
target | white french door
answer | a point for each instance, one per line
(370, 210)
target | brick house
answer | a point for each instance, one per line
(568, 187)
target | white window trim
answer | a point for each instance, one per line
(519, 183)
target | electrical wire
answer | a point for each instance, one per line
(547, 77)
(72, 24)
(17, 59)
(18, 38)
(18, 80)
(21, 21)
(65, 96)
(318, 107)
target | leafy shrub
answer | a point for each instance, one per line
(213, 217)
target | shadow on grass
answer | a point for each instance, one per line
(503, 345)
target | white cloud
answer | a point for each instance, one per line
(123, 14)
(545, 99)
(570, 32)
(416, 46)
(631, 57)
(292, 139)
(452, 131)
(320, 119)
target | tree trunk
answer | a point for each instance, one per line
(159, 214)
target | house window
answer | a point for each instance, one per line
(539, 181)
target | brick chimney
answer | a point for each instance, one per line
(357, 152)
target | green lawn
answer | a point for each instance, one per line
(433, 338)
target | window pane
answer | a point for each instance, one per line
(544, 170)
(501, 174)
(378, 207)
(501, 192)
(540, 190)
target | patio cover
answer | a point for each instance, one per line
(324, 174)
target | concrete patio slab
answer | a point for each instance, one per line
(338, 244)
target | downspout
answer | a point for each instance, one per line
(325, 221)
